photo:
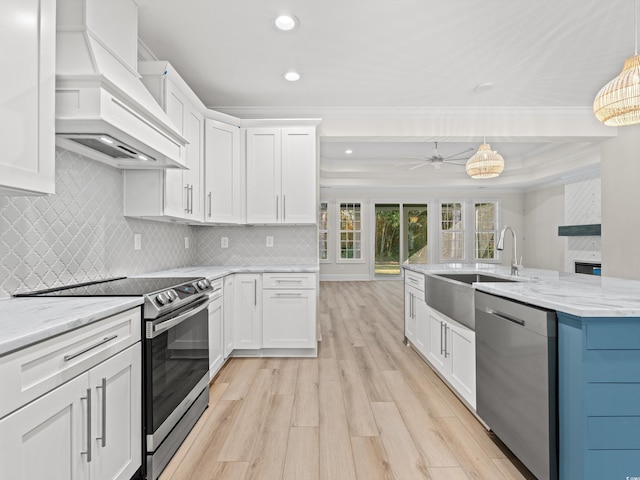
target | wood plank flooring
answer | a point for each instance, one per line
(367, 408)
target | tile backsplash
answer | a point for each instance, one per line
(292, 245)
(79, 233)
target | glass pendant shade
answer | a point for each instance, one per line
(618, 102)
(485, 163)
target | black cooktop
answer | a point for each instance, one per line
(116, 287)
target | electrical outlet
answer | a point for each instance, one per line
(269, 241)
(186, 243)
(224, 242)
(137, 241)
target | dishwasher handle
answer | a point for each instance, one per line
(504, 316)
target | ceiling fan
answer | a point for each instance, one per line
(436, 160)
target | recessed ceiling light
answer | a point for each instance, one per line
(292, 76)
(286, 22)
(106, 140)
(348, 151)
(142, 157)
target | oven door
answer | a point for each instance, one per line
(176, 367)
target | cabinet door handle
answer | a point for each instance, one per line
(186, 198)
(103, 388)
(284, 207)
(410, 306)
(277, 217)
(87, 452)
(210, 204)
(71, 356)
(191, 199)
(255, 293)
(446, 350)
(442, 347)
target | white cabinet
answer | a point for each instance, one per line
(289, 311)
(89, 427)
(216, 328)
(281, 175)
(247, 311)
(228, 315)
(452, 352)
(27, 96)
(223, 174)
(416, 318)
(415, 311)
(174, 194)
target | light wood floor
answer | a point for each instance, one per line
(367, 408)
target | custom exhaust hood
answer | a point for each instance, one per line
(103, 110)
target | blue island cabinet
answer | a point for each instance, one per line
(599, 398)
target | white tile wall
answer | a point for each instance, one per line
(247, 245)
(582, 206)
(79, 234)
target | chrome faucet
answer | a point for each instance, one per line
(515, 266)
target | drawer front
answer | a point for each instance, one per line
(289, 280)
(414, 279)
(613, 334)
(29, 373)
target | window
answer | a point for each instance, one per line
(451, 232)
(323, 232)
(350, 231)
(485, 226)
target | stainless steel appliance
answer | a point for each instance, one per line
(175, 355)
(516, 365)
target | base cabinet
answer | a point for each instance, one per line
(289, 319)
(247, 311)
(451, 350)
(216, 329)
(228, 315)
(88, 428)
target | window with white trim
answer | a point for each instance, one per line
(323, 231)
(451, 232)
(350, 232)
(485, 230)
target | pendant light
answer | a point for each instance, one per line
(485, 163)
(618, 102)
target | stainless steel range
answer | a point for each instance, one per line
(175, 351)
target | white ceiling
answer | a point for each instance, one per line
(363, 59)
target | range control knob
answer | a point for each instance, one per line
(206, 282)
(201, 284)
(162, 298)
(171, 295)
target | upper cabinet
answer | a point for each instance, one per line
(171, 193)
(281, 175)
(27, 93)
(223, 174)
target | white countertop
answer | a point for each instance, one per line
(216, 271)
(576, 294)
(28, 320)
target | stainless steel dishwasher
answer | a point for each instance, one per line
(516, 365)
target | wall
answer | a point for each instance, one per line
(247, 245)
(79, 234)
(582, 206)
(543, 213)
(512, 214)
(620, 171)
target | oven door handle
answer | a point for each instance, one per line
(156, 330)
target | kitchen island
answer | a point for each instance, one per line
(598, 362)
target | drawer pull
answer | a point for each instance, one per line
(87, 452)
(288, 294)
(90, 347)
(103, 387)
